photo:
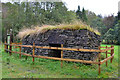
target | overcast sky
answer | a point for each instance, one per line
(103, 7)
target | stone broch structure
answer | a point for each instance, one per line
(83, 38)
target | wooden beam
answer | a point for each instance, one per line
(107, 52)
(104, 47)
(22, 53)
(7, 44)
(7, 50)
(73, 49)
(64, 59)
(58, 48)
(24, 45)
(104, 50)
(107, 59)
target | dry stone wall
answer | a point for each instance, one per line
(69, 38)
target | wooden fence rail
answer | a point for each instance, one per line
(100, 50)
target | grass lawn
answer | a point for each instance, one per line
(13, 67)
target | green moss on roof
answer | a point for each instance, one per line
(72, 27)
(37, 30)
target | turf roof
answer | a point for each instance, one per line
(43, 29)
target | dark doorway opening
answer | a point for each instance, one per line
(53, 52)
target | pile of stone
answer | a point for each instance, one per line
(83, 39)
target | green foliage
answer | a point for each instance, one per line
(109, 35)
(90, 17)
(109, 21)
(98, 24)
(112, 35)
(81, 14)
(107, 26)
(25, 14)
(84, 18)
(17, 15)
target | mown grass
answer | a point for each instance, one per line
(13, 67)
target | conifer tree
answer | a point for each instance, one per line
(84, 18)
(78, 13)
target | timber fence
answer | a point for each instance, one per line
(106, 50)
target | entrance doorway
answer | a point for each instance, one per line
(53, 52)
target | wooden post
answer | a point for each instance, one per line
(10, 49)
(112, 51)
(61, 56)
(11, 40)
(33, 50)
(99, 69)
(20, 51)
(5, 47)
(7, 43)
(26, 57)
(111, 55)
(16, 46)
(106, 57)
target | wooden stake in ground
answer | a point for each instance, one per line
(7, 43)
(20, 51)
(11, 40)
(33, 51)
(5, 46)
(112, 51)
(61, 56)
(106, 57)
(99, 69)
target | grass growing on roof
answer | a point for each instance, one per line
(37, 30)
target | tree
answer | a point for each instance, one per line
(109, 21)
(112, 35)
(17, 15)
(79, 13)
(90, 16)
(117, 32)
(98, 24)
(100, 16)
(109, 36)
(119, 15)
(84, 18)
